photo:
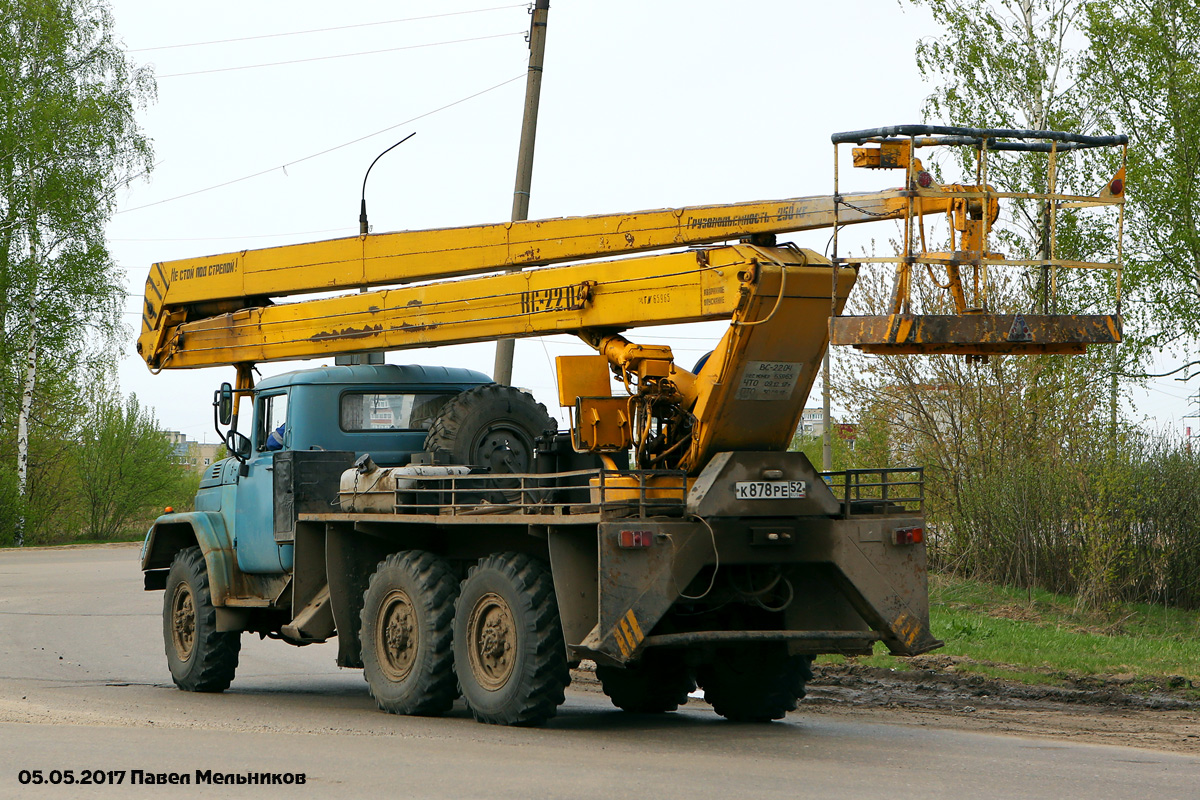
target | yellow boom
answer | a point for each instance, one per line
(532, 278)
(178, 292)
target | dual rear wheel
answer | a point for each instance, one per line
(752, 682)
(496, 638)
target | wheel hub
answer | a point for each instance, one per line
(492, 637)
(398, 636)
(183, 621)
(502, 450)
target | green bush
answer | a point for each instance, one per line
(125, 468)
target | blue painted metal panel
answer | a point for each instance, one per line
(254, 533)
(214, 540)
(208, 499)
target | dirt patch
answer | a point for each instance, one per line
(940, 686)
(938, 694)
(1103, 711)
(1014, 612)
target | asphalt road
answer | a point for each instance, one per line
(84, 686)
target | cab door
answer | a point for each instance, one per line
(254, 529)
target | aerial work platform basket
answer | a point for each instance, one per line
(959, 312)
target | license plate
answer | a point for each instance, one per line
(770, 490)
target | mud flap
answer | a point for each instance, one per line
(637, 585)
(887, 584)
(350, 560)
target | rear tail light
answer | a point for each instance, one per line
(908, 535)
(633, 539)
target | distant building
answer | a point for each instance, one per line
(812, 424)
(925, 410)
(196, 456)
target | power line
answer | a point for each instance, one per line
(1168, 394)
(348, 229)
(326, 151)
(340, 55)
(321, 30)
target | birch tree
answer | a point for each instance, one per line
(68, 142)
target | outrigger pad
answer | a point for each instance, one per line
(976, 334)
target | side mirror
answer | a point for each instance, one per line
(237, 444)
(223, 403)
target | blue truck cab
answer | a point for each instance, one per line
(381, 409)
(385, 410)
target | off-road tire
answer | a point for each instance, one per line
(660, 682)
(754, 682)
(490, 426)
(509, 652)
(201, 659)
(406, 622)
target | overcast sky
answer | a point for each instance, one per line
(644, 105)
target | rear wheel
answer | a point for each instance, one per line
(509, 652)
(660, 682)
(201, 659)
(407, 613)
(754, 682)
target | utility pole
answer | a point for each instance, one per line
(826, 420)
(520, 209)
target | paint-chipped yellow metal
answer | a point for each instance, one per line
(652, 290)
(602, 424)
(749, 394)
(976, 334)
(203, 289)
(751, 391)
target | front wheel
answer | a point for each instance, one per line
(508, 643)
(201, 659)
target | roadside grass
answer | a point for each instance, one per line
(134, 531)
(1038, 637)
(130, 536)
(62, 541)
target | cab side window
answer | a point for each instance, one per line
(272, 431)
(391, 411)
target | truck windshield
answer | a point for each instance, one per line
(391, 411)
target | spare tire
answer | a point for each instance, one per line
(490, 426)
